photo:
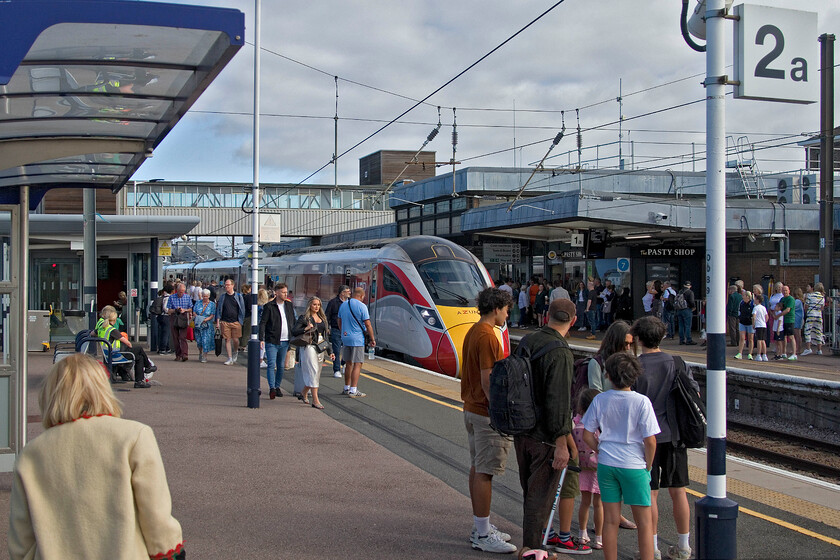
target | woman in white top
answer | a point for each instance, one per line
(311, 358)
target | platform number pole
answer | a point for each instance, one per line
(715, 515)
(254, 340)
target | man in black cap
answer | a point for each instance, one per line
(684, 308)
(342, 295)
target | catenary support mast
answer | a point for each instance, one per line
(715, 514)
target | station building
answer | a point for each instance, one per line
(626, 226)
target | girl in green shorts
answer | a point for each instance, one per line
(626, 446)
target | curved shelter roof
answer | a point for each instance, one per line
(88, 88)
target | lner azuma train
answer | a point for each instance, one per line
(421, 291)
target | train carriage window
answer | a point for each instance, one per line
(453, 283)
(391, 283)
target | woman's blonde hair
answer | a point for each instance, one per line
(262, 296)
(76, 386)
(109, 313)
(308, 313)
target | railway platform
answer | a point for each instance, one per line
(379, 477)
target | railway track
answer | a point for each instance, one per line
(787, 450)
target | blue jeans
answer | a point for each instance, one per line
(335, 340)
(275, 357)
(668, 319)
(593, 320)
(684, 321)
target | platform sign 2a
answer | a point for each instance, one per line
(776, 54)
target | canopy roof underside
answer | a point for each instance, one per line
(89, 88)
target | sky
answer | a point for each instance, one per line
(389, 54)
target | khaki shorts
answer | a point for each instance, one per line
(571, 484)
(488, 449)
(230, 331)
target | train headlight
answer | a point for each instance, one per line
(430, 317)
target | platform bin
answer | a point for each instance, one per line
(716, 523)
(38, 339)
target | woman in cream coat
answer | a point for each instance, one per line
(92, 485)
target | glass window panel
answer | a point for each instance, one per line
(428, 227)
(5, 252)
(456, 224)
(443, 206)
(130, 43)
(4, 410)
(403, 230)
(107, 126)
(414, 212)
(5, 330)
(414, 228)
(402, 214)
(459, 203)
(442, 226)
(429, 209)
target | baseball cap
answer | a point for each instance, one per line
(562, 309)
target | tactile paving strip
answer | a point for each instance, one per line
(783, 502)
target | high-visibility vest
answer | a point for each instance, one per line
(103, 330)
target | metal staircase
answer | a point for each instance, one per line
(746, 165)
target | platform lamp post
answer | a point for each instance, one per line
(254, 340)
(715, 514)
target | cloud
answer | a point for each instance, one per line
(573, 58)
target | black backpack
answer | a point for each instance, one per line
(512, 408)
(157, 306)
(687, 413)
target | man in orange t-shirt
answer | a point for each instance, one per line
(488, 449)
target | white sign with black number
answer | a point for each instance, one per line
(776, 54)
(502, 253)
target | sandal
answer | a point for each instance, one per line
(319, 406)
(626, 524)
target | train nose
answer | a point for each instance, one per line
(450, 349)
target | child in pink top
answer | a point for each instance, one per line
(590, 494)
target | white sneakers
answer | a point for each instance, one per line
(806, 352)
(494, 542)
(230, 362)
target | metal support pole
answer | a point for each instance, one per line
(154, 282)
(89, 288)
(827, 160)
(254, 341)
(22, 321)
(715, 514)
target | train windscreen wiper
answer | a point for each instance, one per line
(461, 299)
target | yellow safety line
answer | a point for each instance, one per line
(778, 521)
(416, 394)
(747, 511)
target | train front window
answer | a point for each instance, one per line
(454, 283)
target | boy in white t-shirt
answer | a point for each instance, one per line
(626, 447)
(760, 325)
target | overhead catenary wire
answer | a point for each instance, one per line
(539, 165)
(427, 97)
(536, 184)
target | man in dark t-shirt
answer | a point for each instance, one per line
(788, 317)
(230, 314)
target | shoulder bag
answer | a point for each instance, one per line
(361, 326)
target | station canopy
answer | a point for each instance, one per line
(88, 89)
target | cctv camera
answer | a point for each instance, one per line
(661, 216)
